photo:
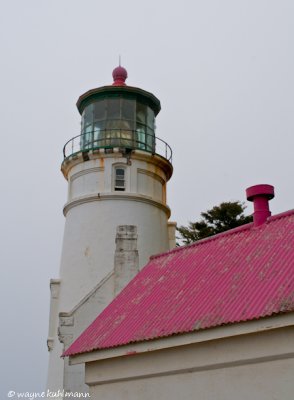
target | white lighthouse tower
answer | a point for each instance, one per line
(116, 212)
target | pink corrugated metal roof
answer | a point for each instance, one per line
(240, 275)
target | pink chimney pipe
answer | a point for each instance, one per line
(260, 195)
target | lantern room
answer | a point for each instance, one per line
(118, 116)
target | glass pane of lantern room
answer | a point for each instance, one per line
(128, 109)
(141, 113)
(141, 119)
(88, 114)
(113, 108)
(141, 136)
(112, 128)
(99, 114)
(150, 118)
(150, 145)
(87, 127)
(99, 110)
(99, 133)
(87, 138)
(127, 116)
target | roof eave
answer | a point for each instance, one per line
(275, 321)
(96, 93)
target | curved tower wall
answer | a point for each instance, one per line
(94, 210)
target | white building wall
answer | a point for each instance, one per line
(73, 323)
(253, 366)
(240, 382)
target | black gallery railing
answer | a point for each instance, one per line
(121, 138)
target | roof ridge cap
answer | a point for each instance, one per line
(232, 231)
(207, 239)
(283, 214)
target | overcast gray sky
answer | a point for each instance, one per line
(223, 71)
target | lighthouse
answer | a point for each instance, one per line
(116, 213)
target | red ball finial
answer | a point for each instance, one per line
(119, 75)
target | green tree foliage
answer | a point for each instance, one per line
(227, 215)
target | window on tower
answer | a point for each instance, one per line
(119, 179)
